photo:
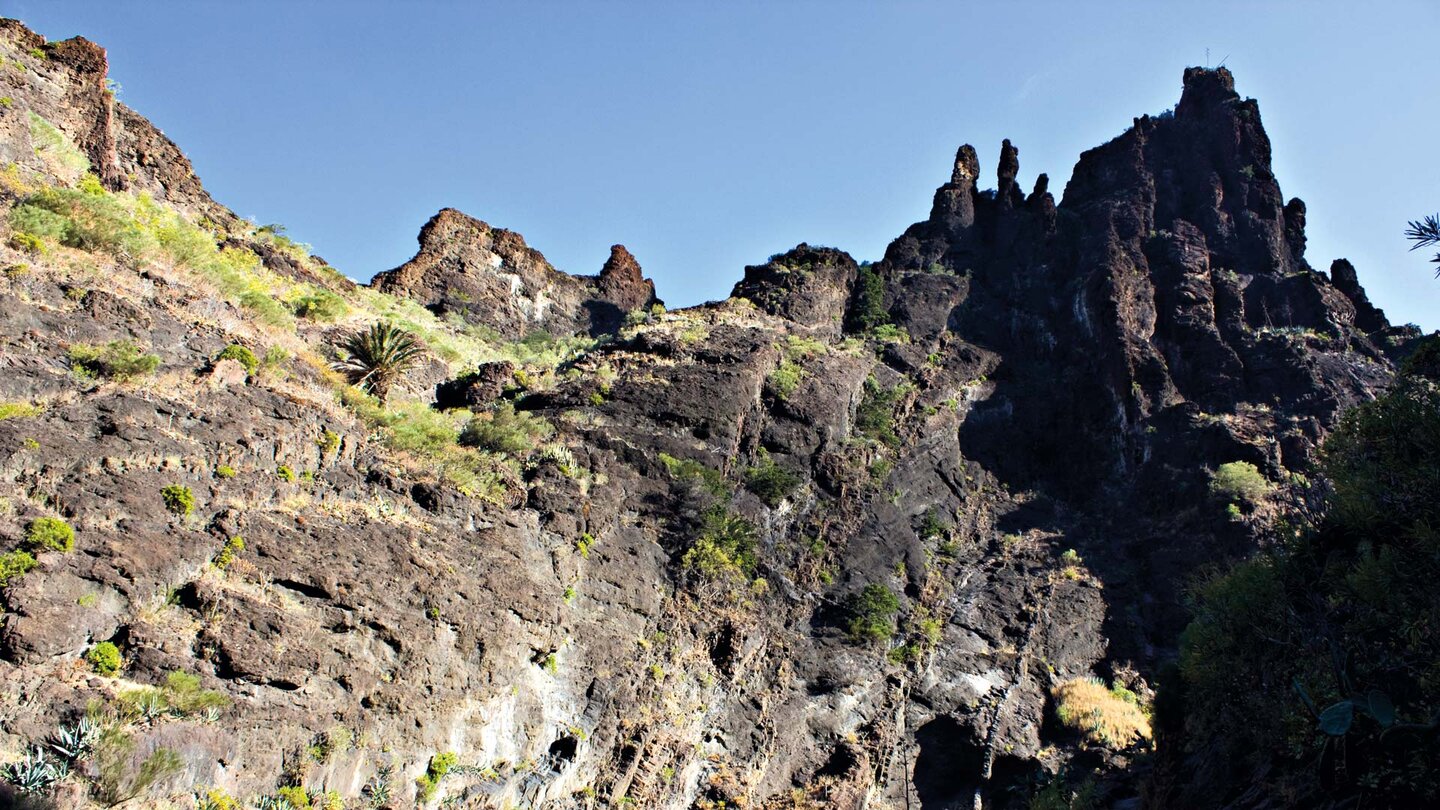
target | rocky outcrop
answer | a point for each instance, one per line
(1368, 317)
(490, 277)
(650, 595)
(65, 84)
(807, 286)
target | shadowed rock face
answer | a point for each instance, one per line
(1054, 378)
(490, 277)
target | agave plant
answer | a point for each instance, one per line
(36, 772)
(377, 789)
(76, 740)
(375, 358)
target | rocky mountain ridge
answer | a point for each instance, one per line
(837, 541)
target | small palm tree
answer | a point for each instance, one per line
(375, 358)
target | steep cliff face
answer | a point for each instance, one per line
(490, 277)
(833, 542)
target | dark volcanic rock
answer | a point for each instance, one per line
(651, 598)
(489, 276)
(807, 285)
(477, 388)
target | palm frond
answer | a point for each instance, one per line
(1425, 232)
(374, 358)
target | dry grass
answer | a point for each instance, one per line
(1110, 717)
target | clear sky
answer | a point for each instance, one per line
(706, 136)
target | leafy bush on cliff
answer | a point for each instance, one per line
(178, 499)
(118, 360)
(104, 658)
(724, 546)
(18, 410)
(867, 307)
(875, 418)
(241, 355)
(14, 565)
(1292, 657)
(507, 431)
(872, 614)
(49, 533)
(320, 305)
(429, 782)
(770, 481)
(1240, 480)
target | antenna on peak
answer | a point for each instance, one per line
(1207, 57)
(1222, 61)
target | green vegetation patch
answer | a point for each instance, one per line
(241, 355)
(104, 658)
(1240, 480)
(770, 481)
(178, 499)
(872, 614)
(119, 360)
(14, 565)
(49, 533)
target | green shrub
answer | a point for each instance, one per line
(507, 431)
(321, 305)
(57, 149)
(241, 355)
(13, 565)
(875, 417)
(178, 499)
(274, 360)
(104, 658)
(225, 471)
(440, 765)
(890, 333)
(86, 218)
(694, 473)
(785, 379)
(27, 242)
(931, 526)
(1240, 480)
(119, 360)
(50, 533)
(285, 473)
(872, 614)
(227, 555)
(184, 696)
(265, 307)
(329, 443)
(18, 410)
(422, 431)
(867, 309)
(770, 481)
(724, 546)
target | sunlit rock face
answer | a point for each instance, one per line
(832, 542)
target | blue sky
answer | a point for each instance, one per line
(706, 136)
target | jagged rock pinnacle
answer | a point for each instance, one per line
(967, 167)
(1007, 191)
